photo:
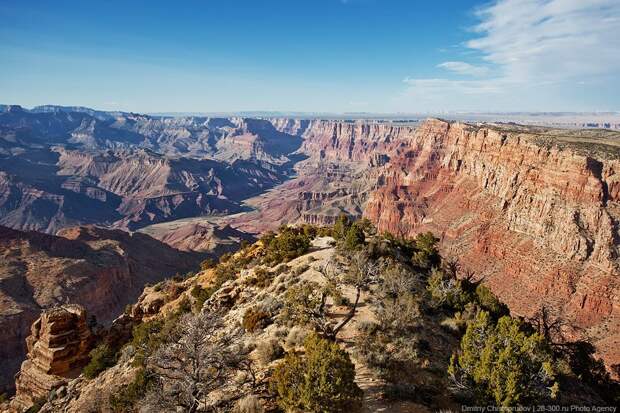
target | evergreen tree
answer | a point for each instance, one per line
(322, 381)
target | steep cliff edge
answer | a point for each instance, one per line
(533, 211)
(104, 270)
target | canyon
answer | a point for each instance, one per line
(532, 211)
(101, 269)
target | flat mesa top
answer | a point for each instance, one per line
(598, 143)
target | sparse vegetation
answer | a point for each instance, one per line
(432, 328)
(255, 319)
(102, 357)
(320, 381)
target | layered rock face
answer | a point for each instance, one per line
(352, 141)
(58, 348)
(535, 215)
(104, 270)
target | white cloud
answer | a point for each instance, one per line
(464, 68)
(466, 87)
(539, 44)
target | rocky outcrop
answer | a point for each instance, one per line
(103, 270)
(58, 348)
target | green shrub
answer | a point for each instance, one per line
(255, 319)
(489, 302)
(354, 238)
(124, 400)
(503, 364)
(102, 357)
(321, 381)
(200, 296)
(426, 254)
(146, 337)
(290, 243)
(341, 227)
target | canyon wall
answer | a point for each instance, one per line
(532, 211)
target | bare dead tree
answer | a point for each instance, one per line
(547, 325)
(193, 362)
(397, 280)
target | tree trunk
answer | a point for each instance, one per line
(349, 316)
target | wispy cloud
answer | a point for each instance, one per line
(464, 68)
(532, 43)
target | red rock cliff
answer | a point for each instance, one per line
(537, 216)
(535, 211)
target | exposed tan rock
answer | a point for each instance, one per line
(58, 348)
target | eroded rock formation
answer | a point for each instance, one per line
(58, 348)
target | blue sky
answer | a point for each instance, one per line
(312, 55)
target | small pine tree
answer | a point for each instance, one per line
(354, 238)
(341, 227)
(503, 363)
(426, 254)
(322, 381)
